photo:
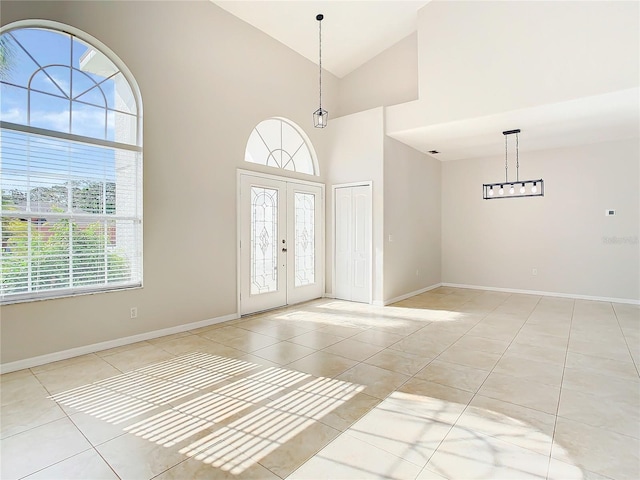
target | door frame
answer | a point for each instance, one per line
(366, 183)
(320, 250)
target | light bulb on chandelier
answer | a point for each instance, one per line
(536, 186)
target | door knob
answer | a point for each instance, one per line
(284, 249)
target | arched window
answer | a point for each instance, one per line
(71, 175)
(280, 143)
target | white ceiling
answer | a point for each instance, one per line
(353, 32)
(583, 121)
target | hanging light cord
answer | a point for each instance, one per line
(319, 17)
(506, 165)
(506, 156)
(517, 159)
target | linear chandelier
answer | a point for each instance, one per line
(320, 116)
(517, 188)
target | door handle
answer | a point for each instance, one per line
(284, 249)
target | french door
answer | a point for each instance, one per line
(281, 242)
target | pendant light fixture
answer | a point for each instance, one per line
(510, 188)
(320, 116)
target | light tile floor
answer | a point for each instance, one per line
(453, 383)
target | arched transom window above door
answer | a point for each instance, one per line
(280, 143)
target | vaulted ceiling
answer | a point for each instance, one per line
(354, 32)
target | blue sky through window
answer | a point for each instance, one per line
(70, 168)
(57, 82)
(73, 87)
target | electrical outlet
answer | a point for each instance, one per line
(134, 312)
(534, 272)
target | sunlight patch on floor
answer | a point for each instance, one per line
(369, 316)
(134, 393)
(445, 438)
(255, 435)
(230, 427)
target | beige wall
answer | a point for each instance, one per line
(576, 249)
(206, 80)
(387, 79)
(412, 216)
(356, 154)
(482, 57)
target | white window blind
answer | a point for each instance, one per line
(71, 216)
(70, 168)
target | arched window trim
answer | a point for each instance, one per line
(306, 142)
(110, 54)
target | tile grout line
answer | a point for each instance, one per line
(95, 447)
(472, 396)
(633, 360)
(388, 396)
(345, 432)
(340, 433)
(473, 393)
(68, 417)
(491, 371)
(92, 446)
(470, 400)
(501, 355)
(564, 366)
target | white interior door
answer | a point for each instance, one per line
(353, 243)
(281, 243)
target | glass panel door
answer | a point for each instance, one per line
(281, 243)
(304, 257)
(305, 228)
(263, 255)
(264, 240)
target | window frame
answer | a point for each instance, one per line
(306, 142)
(72, 138)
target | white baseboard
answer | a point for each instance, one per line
(97, 347)
(411, 294)
(119, 342)
(545, 294)
(384, 303)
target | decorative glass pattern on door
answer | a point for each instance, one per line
(304, 205)
(264, 243)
